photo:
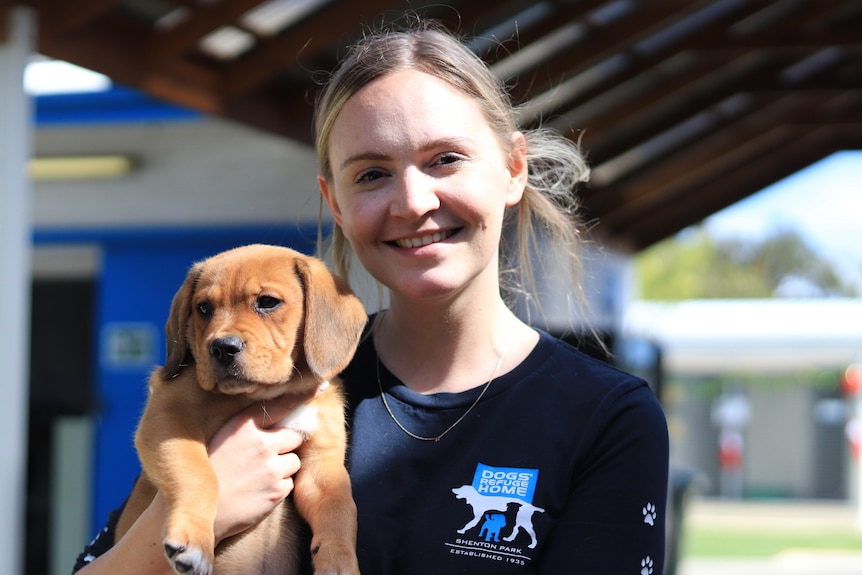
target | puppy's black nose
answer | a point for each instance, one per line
(225, 349)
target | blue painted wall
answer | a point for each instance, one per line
(117, 105)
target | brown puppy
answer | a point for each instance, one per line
(252, 324)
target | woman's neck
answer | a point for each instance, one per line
(450, 349)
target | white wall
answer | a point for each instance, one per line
(198, 172)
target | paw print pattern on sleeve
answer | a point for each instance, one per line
(649, 514)
(646, 565)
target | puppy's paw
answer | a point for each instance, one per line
(188, 559)
(332, 560)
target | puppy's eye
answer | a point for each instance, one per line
(205, 309)
(266, 303)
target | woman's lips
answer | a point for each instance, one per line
(424, 240)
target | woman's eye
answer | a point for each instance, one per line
(370, 176)
(449, 158)
(266, 303)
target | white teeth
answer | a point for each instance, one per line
(423, 240)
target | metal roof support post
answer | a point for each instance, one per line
(15, 249)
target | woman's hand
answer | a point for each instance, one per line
(255, 463)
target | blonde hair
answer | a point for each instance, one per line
(547, 211)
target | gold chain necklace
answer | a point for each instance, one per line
(451, 427)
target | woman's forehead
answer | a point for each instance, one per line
(408, 105)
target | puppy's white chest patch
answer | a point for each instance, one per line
(303, 420)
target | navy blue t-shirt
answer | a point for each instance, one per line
(561, 468)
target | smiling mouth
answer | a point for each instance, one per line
(425, 240)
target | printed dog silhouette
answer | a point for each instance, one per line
(494, 523)
(482, 504)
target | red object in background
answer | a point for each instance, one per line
(730, 449)
(851, 381)
(853, 430)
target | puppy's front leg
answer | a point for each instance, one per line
(172, 449)
(190, 488)
(323, 495)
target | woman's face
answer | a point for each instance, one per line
(420, 184)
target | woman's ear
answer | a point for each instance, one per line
(518, 169)
(329, 195)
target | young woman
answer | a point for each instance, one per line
(478, 443)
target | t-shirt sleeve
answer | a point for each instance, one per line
(614, 521)
(103, 541)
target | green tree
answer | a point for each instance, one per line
(694, 265)
(786, 255)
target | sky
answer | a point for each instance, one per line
(43, 76)
(823, 202)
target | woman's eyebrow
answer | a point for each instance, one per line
(363, 157)
(448, 143)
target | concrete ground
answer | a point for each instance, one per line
(768, 515)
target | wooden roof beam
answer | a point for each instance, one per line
(599, 46)
(644, 67)
(284, 112)
(65, 16)
(802, 25)
(202, 19)
(623, 39)
(314, 34)
(5, 20)
(712, 157)
(115, 49)
(112, 48)
(672, 109)
(652, 91)
(558, 15)
(692, 161)
(806, 147)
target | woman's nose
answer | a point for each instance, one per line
(415, 195)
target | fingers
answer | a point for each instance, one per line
(290, 462)
(247, 436)
(279, 483)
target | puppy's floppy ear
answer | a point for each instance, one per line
(175, 328)
(334, 319)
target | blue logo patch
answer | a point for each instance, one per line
(506, 482)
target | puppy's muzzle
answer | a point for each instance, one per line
(225, 350)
